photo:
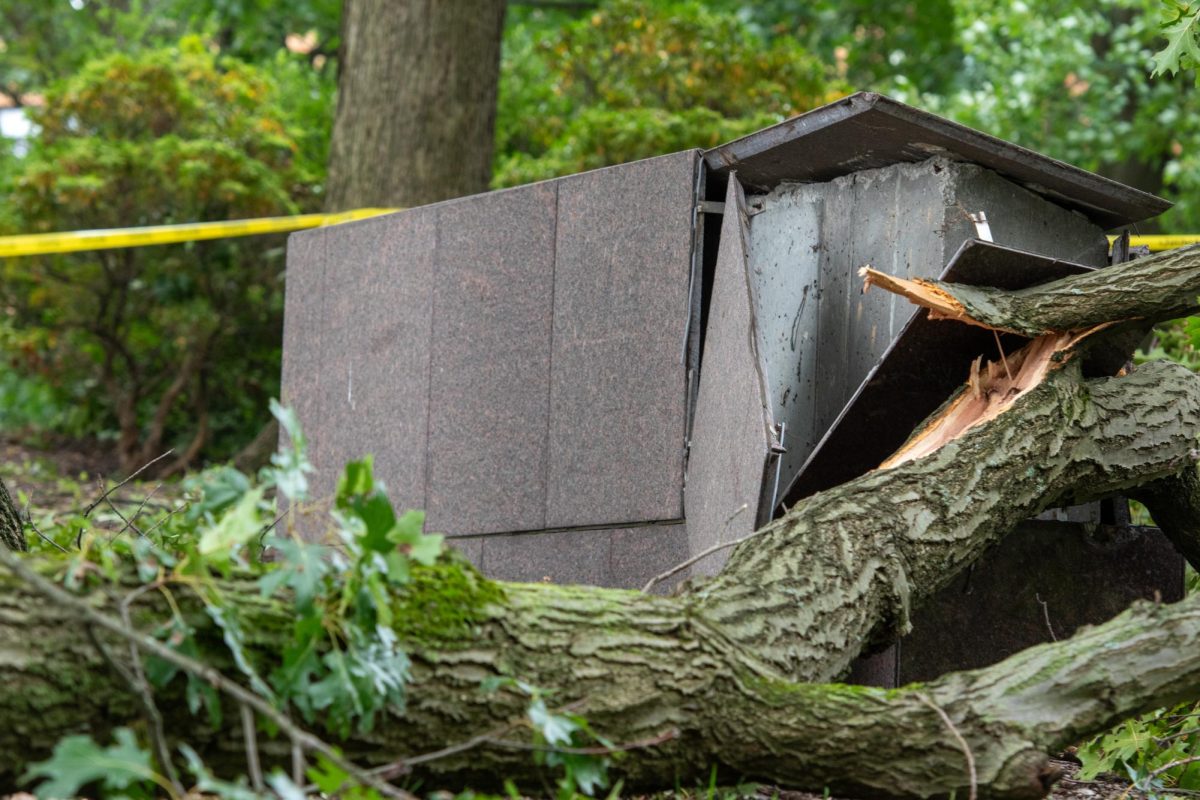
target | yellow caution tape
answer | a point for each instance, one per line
(1167, 242)
(112, 238)
(75, 241)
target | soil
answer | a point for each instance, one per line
(52, 481)
(1068, 788)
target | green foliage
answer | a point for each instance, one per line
(1139, 748)
(205, 782)
(1181, 27)
(173, 344)
(631, 79)
(332, 781)
(871, 44)
(564, 734)
(254, 30)
(636, 79)
(385, 582)
(564, 741)
(1176, 341)
(45, 41)
(30, 403)
(78, 761)
(1150, 751)
(1072, 80)
(343, 663)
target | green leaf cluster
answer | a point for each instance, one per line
(78, 761)
(1181, 27)
(564, 734)
(1152, 751)
(344, 662)
(633, 79)
(178, 344)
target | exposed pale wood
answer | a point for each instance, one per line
(1162, 286)
(921, 292)
(991, 389)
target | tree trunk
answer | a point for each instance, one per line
(729, 672)
(12, 530)
(416, 101)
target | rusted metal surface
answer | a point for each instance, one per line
(868, 130)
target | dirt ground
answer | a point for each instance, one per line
(1068, 788)
(52, 481)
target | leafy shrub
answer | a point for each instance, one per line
(635, 79)
(341, 667)
(172, 345)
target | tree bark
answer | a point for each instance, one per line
(716, 670)
(12, 530)
(416, 101)
(730, 671)
(1163, 286)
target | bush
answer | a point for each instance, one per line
(636, 79)
(171, 345)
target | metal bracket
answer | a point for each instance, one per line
(982, 230)
(777, 449)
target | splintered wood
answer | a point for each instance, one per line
(941, 304)
(991, 389)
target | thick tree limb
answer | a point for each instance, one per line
(845, 566)
(716, 674)
(1163, 286)
(718, 664)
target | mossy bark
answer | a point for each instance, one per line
(12, 530)
(731, 671)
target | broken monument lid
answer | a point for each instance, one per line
(868, 130)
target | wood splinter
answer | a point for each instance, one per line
(941, 304)
(991, 389)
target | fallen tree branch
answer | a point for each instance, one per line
(1162, 286)
(106, 492)
(972, 773)
(720, 661)
(738, 664)
(213, 677)
(1009, 716)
